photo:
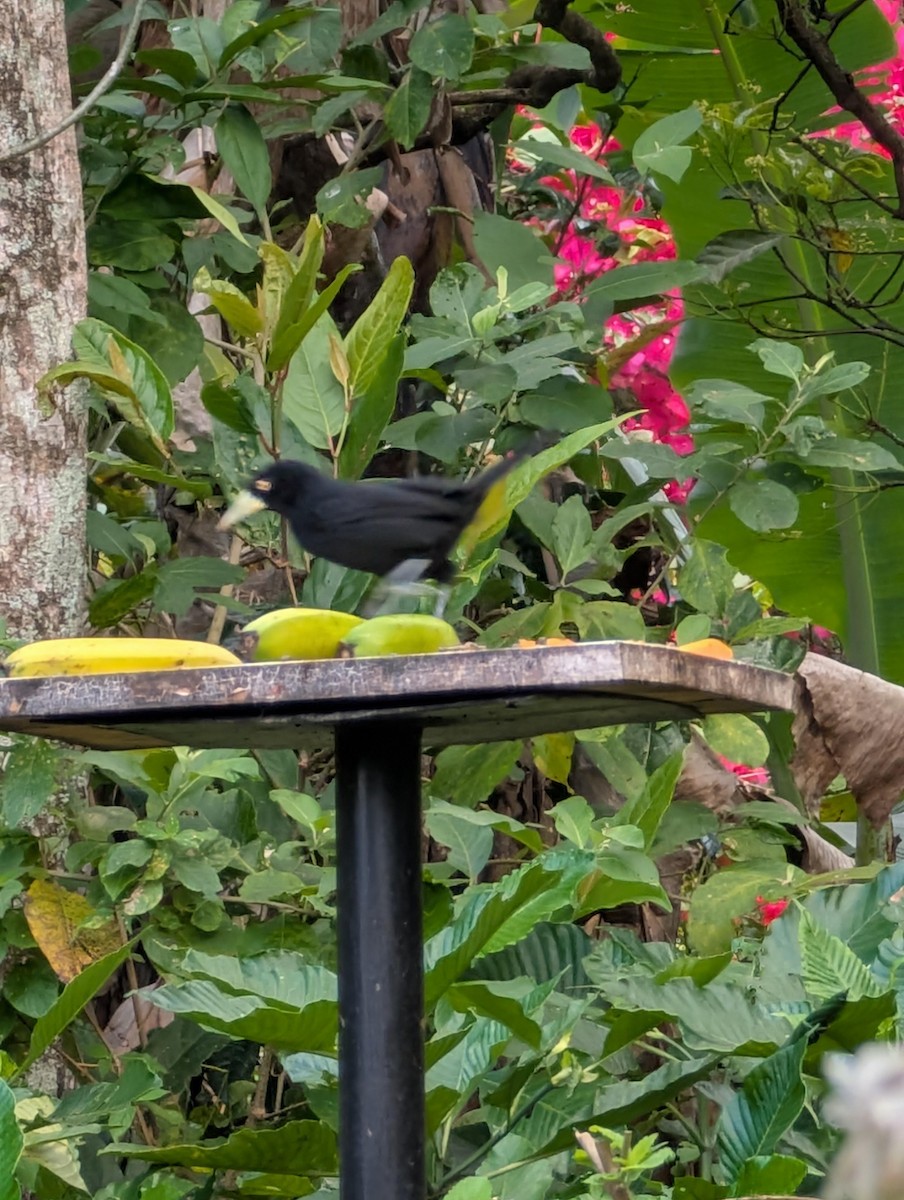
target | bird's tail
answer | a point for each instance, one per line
(482, 483)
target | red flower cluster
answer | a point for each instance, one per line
(770, 910)
(891, 75)
(640, 238)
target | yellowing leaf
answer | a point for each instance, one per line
(58, 920)
(230, 303)
(552, 754)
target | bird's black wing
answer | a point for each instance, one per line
(374, 527)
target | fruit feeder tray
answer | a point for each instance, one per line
(377, 713)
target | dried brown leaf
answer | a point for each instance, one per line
(849, 723)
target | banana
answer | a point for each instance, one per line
(108, 656)
(295, 633)
(398, 633)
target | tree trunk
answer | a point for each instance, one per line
(42, 295)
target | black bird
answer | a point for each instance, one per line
(401, 528)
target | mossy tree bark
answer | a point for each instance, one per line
(42, 295)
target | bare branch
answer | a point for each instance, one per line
(103, 85)
(815, 45)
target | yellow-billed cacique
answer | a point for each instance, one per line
(403, 529)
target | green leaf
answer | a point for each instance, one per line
(855, 913)
(341, 199)
(573, 818)
(372, 335)
(852, 453)
(468, 774)
(262, 29)
(175, 63)
(230, 303)
(178, 580)
(777, 1174)
(11, 1142)
(475, 1188)
(734, 248)
(273, 999)
(502, 242)
(624, 876)
(443, 47)
(737, 738)
(409, 106)
(528, 474)
(73, 998)
(121, 295)
(548, 952)
(659, 148)
(469, 845)
(244, 151)
(643, 280)
(197, 876)
(372, 412)
(130, 245)
(768, 1104)
(647, 810)
(298, 1147)
(301, 290)
(227, 404)
(725, 401)
(313, 399)
(571, 534)
(169, 333)
(288, 340)
(719, 1017)
(706, 580)
(780, 358)
(118, 597)
(145, 400)
(540, 150)
(28, 780)
(727, 894)
(762, 504)
(836, 379)
(493, 917)
(507, 1003)
(202, 39)
(565, 405)
(830, 967)
(221, 213)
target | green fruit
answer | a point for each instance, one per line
(296, 633)
(399, 633)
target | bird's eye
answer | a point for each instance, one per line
(263, 485)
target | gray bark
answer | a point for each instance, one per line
(42, 295)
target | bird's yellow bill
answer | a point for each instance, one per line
(246, 504)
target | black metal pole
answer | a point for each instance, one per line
(381, 984)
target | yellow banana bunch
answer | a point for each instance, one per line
(298, 633)
(108, 656)
(398, 633)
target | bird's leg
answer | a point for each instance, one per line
(443, 591)
(403, 580)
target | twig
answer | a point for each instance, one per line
(815, 46)
(103, 85)
(218, 621)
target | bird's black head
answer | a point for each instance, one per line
(279, 487)
(282, 485)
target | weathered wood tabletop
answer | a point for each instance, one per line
(462, 696)
(380, 712)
